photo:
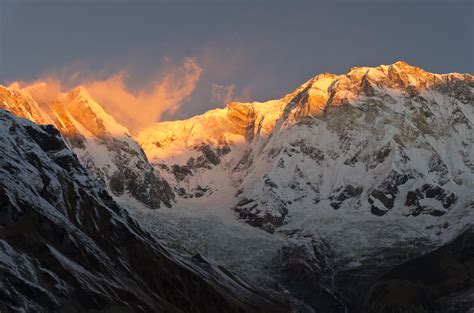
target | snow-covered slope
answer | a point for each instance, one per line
(21, 104)
(377, 163)
(66, 246)
(102, 145)
(390, 140)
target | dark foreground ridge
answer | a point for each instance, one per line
(66, 246)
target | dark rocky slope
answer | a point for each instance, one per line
(430, 283)
(65, 245)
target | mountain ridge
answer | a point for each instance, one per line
(342, 180)
(237, 125)
(379, 159)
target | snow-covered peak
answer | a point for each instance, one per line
(368, 140)
(80, 104)
(241, 122)
(22, 104)
(101, 143)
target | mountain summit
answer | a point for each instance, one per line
(102, 145)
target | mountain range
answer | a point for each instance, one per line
(352, 193)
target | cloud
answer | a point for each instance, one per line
(135, 109)
(222, 94)
(144, 107)
(44, 91)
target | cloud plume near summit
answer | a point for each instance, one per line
(134, 109)
(145, 107)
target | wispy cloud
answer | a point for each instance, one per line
(224, 94)
(144, 107)
(134, 109)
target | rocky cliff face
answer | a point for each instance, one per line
(65, 245)
(102, 145)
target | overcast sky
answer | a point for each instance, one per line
(254, 50)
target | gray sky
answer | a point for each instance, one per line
(263, 48)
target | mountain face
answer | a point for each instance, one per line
(65, 245)
(391, 140)
(359, 173)
(102, 145)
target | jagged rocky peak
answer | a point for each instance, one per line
(327, 91)
(101, 143)
(397, 75)
(312, 97)
(90, 115)
(21, 104)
